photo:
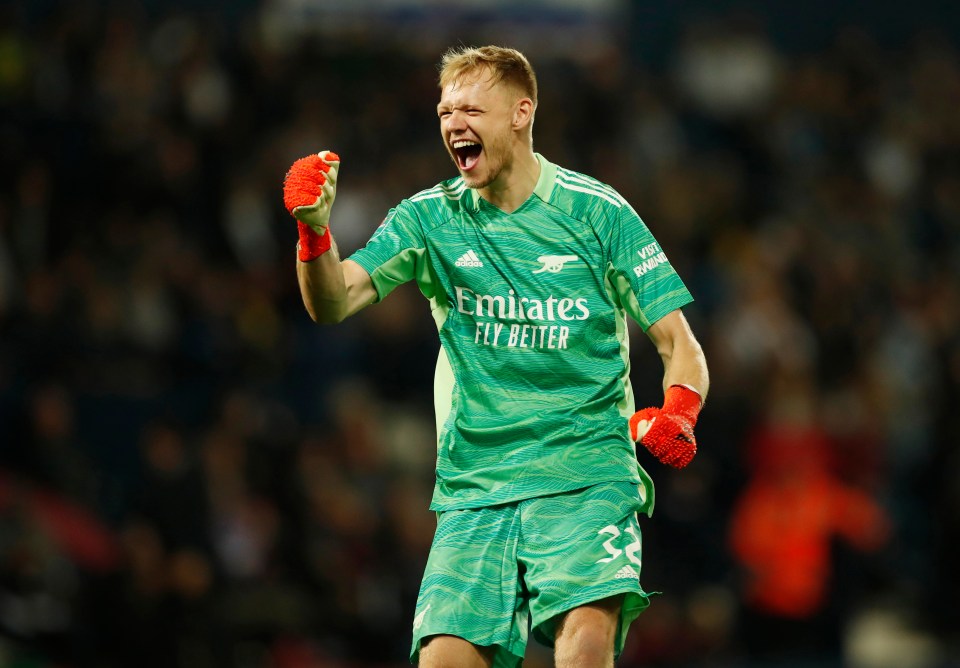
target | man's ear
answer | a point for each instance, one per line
(522, 113)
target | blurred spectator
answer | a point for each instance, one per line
(783, 528)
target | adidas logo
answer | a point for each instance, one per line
(627, 572)
(468, 259)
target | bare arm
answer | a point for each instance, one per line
(683, 360)
(333, 289)
(668, 432)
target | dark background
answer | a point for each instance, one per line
(193, 474)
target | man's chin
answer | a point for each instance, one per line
(474, 182)
(475, 179)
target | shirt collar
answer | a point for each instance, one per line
(548, 174)
(543, 189)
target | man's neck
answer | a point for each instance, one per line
(515, 184)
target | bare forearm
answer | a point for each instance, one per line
(333, 289)
(323, 288)
(668, 432)
(683, 359)
(685, 364)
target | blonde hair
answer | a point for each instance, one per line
(504, 64)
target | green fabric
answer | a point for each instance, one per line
(532, 387)
(494, 574)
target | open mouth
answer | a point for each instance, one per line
(467, 153)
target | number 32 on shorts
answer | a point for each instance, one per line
(632, 549)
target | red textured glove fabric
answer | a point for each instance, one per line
(311, 244)
(302, 185)
(304, 181)
(670, 438)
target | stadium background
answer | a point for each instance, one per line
(194, 475)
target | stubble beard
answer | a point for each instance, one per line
(497, 157)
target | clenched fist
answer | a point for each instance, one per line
(309, 190)
(668, 432)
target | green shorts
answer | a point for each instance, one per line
(495, 573)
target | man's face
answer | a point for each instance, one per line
(475, 122)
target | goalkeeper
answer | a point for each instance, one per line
(531, 271)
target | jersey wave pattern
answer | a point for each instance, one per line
(532, 387)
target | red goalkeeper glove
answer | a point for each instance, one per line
(309, 189)
(668, 432)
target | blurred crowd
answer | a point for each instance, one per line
(194, 475)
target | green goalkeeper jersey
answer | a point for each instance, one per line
(532, 388)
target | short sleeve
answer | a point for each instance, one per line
(644, 281)
(395, 250)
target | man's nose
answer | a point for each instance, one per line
(456, 120)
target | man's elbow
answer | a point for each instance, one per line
(328, 319)
(326, 314)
